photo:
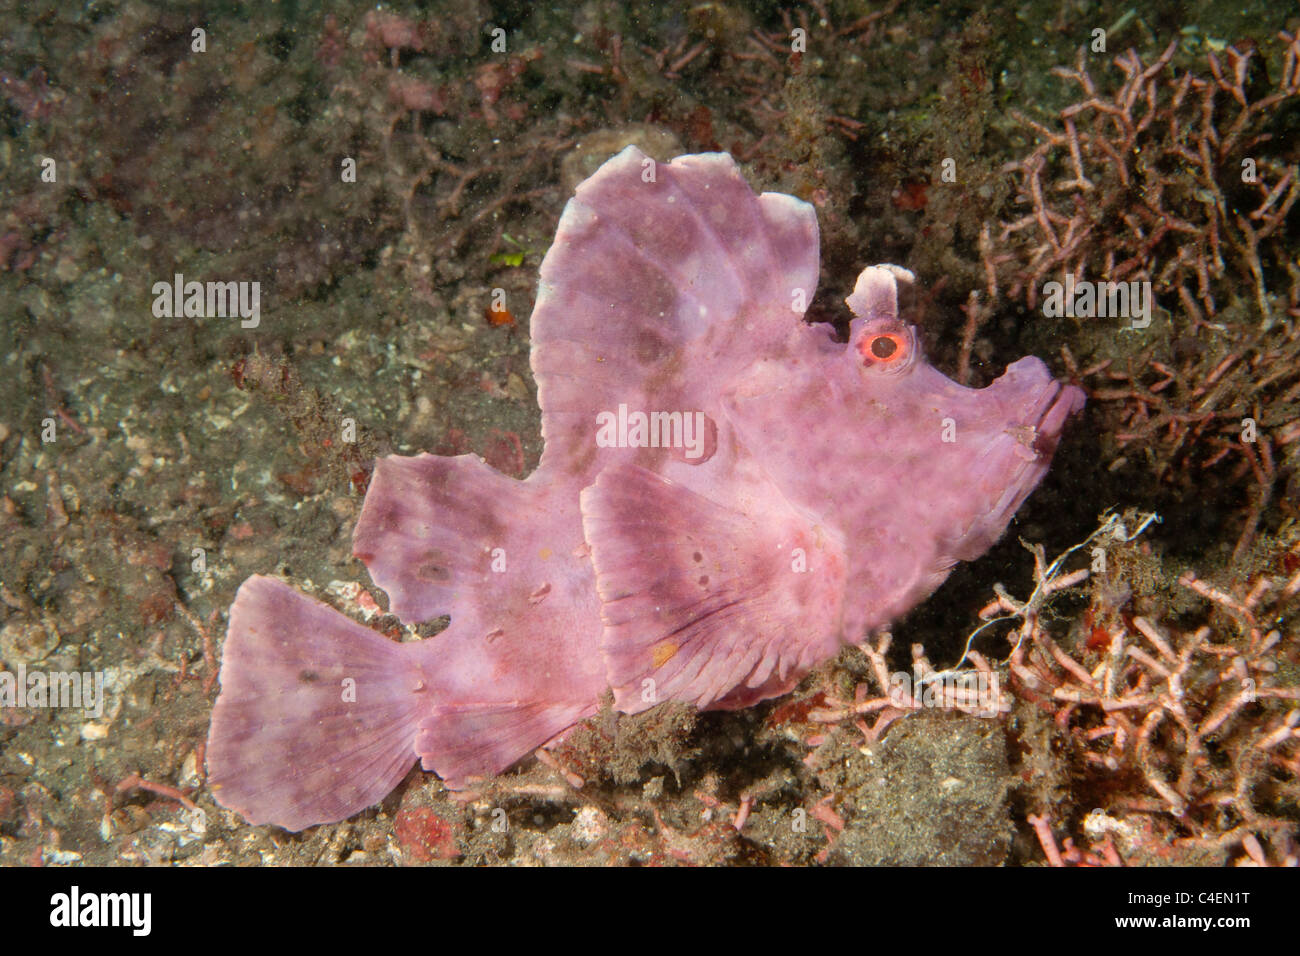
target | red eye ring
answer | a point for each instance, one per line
(884, 348)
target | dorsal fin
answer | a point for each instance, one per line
(649, 258)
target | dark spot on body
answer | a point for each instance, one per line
(697, 557)
(432, 571)
(308, 677)
(490, 527)
(649, 347)
(704, 580)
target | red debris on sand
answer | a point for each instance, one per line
(425, 836)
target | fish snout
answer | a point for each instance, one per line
(1039, 405)
(1032, 408)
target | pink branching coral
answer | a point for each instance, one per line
(1179, 179)
(1161, 181)
(1144, 738)
(1184, 739)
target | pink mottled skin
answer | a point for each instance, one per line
(838, 485)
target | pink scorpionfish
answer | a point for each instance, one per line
(726, 496)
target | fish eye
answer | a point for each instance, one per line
(885, 349)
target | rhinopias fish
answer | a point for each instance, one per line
(726, 496)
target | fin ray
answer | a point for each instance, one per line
(703, 600)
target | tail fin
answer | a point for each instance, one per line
(317, 715)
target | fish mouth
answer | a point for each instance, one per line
(1036, 407)
(1054, 405)
(1038, 426)
(1022, 413)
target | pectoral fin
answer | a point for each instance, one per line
(705, 603)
